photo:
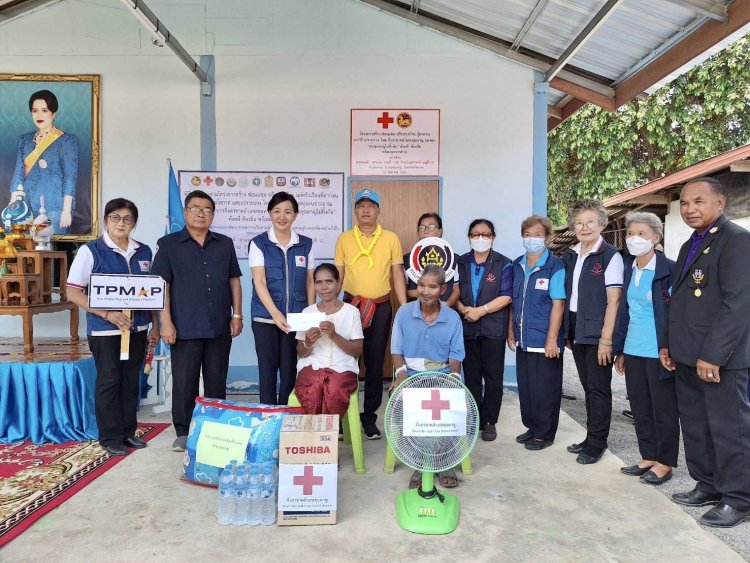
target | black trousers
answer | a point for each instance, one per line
(277, 360)
(485, 364)
(654, 408)
(539, 392)
(189, 357)
(117, 386)
(373, 354)
(715, 420)
(596, 381)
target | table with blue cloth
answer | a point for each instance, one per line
(47, 401)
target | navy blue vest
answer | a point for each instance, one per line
(494, 325)
(592, 293)
(532, 306)
(107, 261)
(286, 276)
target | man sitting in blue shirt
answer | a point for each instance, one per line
(427, 336)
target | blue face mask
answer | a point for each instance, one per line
(533, 245)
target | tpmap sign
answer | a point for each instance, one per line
(109, 291)
(434, 412)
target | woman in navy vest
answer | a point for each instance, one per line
(593, 283)
(639, 334)
(117, 381)
(281, 262)
(536, 333)
(486, 285)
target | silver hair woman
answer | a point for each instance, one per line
(638, 336)
(593, 281)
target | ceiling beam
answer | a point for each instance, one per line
(702, 39)
(567, 110)
(578, 91)
(554, 111)
(529, 23)
(14, 9)
(717, 12)
(595, 23)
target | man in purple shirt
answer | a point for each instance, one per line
(709, 348)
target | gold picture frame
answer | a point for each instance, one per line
(78, 115)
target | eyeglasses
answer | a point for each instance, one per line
(590, 224)
(475, 236)
(128, 219)
(195, 210)
(427, 228)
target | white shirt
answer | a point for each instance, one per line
(613, 275)
(325, 353)
(639, 271)
(83, 266)
(255, 256)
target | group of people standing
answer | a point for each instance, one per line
(642, 314)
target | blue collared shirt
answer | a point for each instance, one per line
(198, 278)
(427, 346)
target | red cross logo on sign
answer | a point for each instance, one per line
(385, 120)
(435, 404)
(308, 480)
(208, 180)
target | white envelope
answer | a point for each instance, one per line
(301, 322)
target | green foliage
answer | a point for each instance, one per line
(597, 153)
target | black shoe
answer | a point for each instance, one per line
(372, 432)
(536, 445)
(115, 449)
(651, 478)
(634, 470)
(724, 516)
(576, 448)
(696, 498)
(525, 437)
(590, 456)
(489, 433)
(134, 442)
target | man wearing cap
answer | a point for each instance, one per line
(709, 349)
(370, 264)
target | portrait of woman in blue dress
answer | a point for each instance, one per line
(47, 164)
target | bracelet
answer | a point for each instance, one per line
(604, 342)
(304, 343)
(486, 310)
(240, 317)
(399, 370)
(106, 315)
(456, 375)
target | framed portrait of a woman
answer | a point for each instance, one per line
(49, 144)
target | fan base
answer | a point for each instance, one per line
(427, 516)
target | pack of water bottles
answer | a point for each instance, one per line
(247, 494)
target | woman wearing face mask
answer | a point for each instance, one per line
(281, 262)
(641, 320)
(486, 285)
(534, 332)
(431, 225)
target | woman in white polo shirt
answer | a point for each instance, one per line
(117, 381)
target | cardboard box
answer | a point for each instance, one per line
(308, 470)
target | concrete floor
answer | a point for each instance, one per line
(518, 505)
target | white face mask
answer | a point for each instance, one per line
(533, 244)
(480, 244)
(638, 246)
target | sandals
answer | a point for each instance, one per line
(416, 480)
(448, 479)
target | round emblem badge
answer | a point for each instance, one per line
(42, 163)
(195, 180)
(432, 250)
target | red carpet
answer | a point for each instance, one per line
(34, 479)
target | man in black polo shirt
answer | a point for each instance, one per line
(203, 310)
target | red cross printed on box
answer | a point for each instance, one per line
(308, 480)
(208, 180)
(436, 405)
(385, 120)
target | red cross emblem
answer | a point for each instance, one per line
(308, 480)
(542, 282)
(385, 120)
(208, 180)
(436, 405)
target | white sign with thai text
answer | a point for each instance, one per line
(434, 412)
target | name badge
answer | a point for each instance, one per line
(542, 283)
(301, 261)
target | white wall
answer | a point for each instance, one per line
(287, 74)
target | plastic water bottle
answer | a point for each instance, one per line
(225, 506)
(253, 496)
(239, 496)
(268, 496)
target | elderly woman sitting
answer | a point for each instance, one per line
(639, 334)
(328, 354)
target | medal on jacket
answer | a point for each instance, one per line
(42, 163)
(698, 276)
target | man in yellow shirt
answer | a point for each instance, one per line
(370, 264)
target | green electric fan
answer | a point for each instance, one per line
(431, 423)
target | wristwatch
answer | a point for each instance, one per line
(237, 317)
